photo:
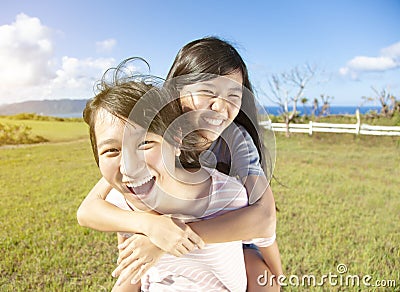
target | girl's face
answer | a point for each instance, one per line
(216, 102)
(138, 164)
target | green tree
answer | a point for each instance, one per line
(304, 101)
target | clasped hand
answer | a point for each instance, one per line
(138, 253)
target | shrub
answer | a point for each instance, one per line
(18, 134)
(36, 117)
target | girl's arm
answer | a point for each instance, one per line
(240, 224)
(257, 220)
(254, 221)
(272, 258)
(96, 213)
(121, 285)
(167, 233)
(137, 254)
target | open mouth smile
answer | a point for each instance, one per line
(213, 121)
(142, 188)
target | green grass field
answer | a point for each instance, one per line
(58, 131)
(340, 204)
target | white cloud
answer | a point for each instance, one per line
(26, 52)
(361, 63)
(106, 45)
(392, 51)
(76, 77)
(29, 69)
(389, 59)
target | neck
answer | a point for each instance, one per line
(190, 183)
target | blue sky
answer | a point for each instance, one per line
(58, 49)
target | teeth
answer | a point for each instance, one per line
(214, 122)
(138, 183)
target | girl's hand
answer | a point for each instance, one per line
(136, 256)
(173, 236)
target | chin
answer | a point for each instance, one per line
(211, 137)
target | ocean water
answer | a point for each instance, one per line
(333, 110)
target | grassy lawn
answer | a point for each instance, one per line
(43, 248)
(339, 204)
(57, 132)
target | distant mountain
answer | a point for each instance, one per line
(61, 107)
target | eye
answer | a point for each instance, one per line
(207, 92)
(110, 152)
(235, 96)
(146, 144)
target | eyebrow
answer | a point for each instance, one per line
(237, 88)
(209, 84)
(233, 88)
(107, 141)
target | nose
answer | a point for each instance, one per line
(219, 104)
(132, 163)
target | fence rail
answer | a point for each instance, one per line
(312, 127)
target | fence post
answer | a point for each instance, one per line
(310, 128)
(358, 121)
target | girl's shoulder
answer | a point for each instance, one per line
(237, 128)
(234, 132)
(219, 179)
(234, 136)
(117, 199)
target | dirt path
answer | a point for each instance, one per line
(41, 143)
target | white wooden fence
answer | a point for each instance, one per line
(312, 127)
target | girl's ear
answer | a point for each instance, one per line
(177, 151)
(178, 142)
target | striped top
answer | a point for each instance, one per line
(235, 148)
(216, 267)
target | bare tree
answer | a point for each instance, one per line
(315, 107)
(366, 99)
(387, 101)
(281, 87)
(326, 104)
(397, 106)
